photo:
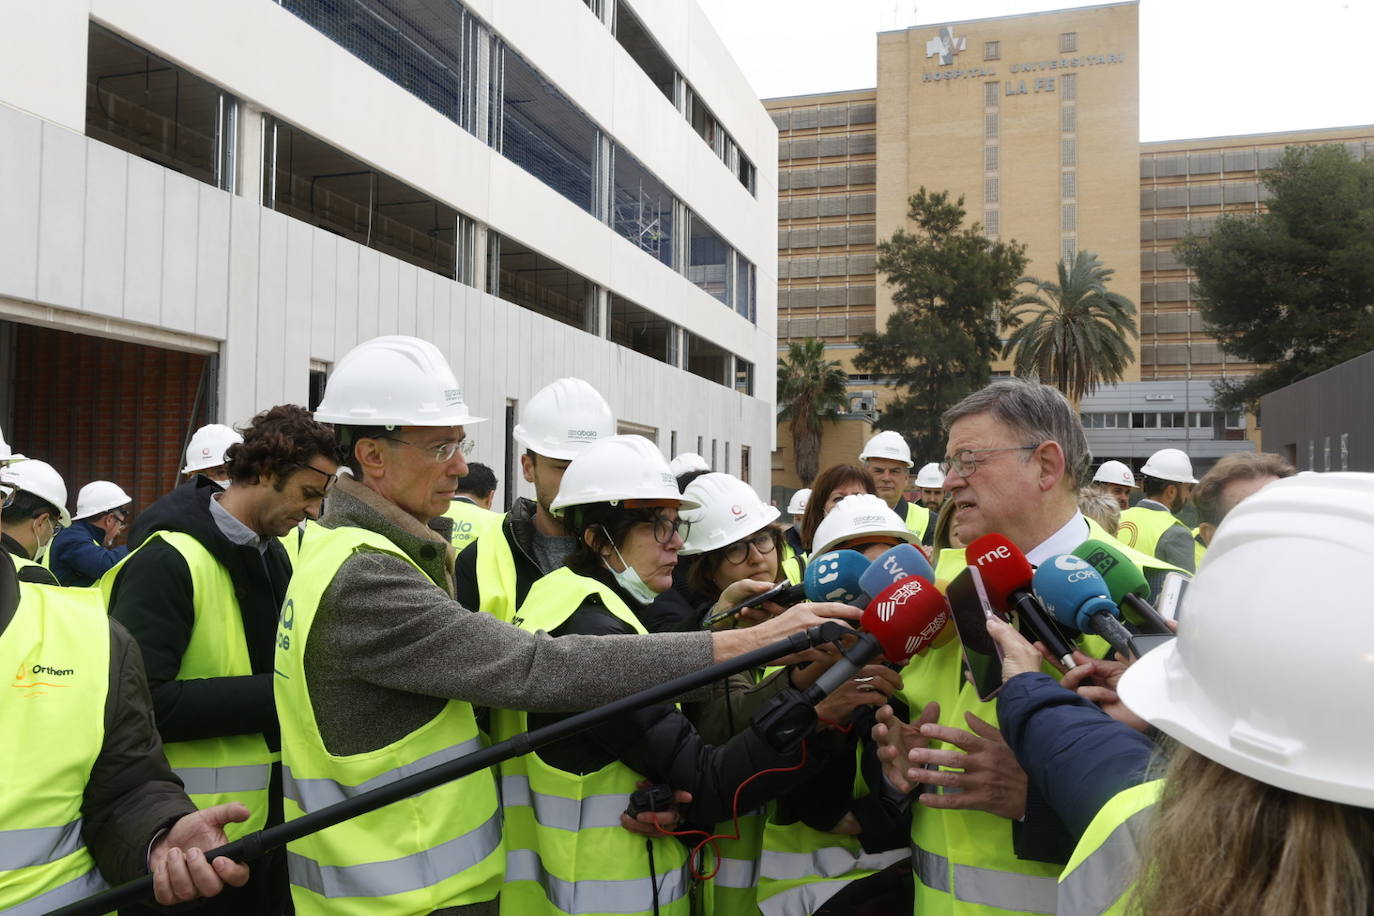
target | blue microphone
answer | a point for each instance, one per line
(897, 563)
(1077, 596)
(834, 576)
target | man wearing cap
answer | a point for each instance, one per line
(1115, 479)
(888, 458)
(930, 480)
(1150, 526)
(378, 668)
(35, 510)
(201, 595)
(80, 554)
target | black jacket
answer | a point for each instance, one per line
(35, 574)
(153, 598)
(660, 742)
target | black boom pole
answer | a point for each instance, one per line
(253, 845)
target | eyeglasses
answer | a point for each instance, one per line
(738, 552)
(440, 453)
(122, 515)
(329, 479)
(665, 528)
(965, 462)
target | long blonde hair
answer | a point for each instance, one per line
(1221, 842)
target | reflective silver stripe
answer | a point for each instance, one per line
(828, 862)
(560, 813)
(75, 889)
(1006, 890)
(737, 873)
(38, 845)
(225, 780)
(1102, 878)
(425, 868)
(632, 895)
(930, 868)
(314, 794)
(801, 900)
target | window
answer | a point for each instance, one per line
(546, 135)
(1235, 419)
(1068, 119)
(745, 462)
(640, 330)
(990, 158)
(1068, 182)
(1068, 41)
(708, 260)
(1069, 250)
(991, 93)
(1068, 87)
(641, 207)
(1068, 218)
(992, 222)
(708, 361)
(1201, 419)
(992, 50)
(1068, 152)
(744, 376)
(744, 295)
(990, 125)
(991, 188)
(540, 284)
(643, 50)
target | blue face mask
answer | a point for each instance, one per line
(627, 578)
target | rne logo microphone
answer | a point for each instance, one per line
(997, 553)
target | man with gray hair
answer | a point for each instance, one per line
(1015, 457)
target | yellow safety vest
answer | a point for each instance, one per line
(471, 522)
(565, 849)
(438, 850)
(917, 520)
(58, 648)
(1100, 875)
(792, 564)
(230, 768)
(1142, 527)
(496, 575)
(21, 564)
(1199, 548)
(949, 562)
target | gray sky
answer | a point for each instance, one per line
(1207, 67)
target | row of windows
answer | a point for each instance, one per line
(840, 205)
(825, 236)
(829, 176)
(1181, 354)
(825, 296)
(1172, 323)
(1164, 229)
(834, 266)
(823, 147)
(1178, 419)
(1068, 41)
(1232, 160)
(1203, 195)
(828, 116)
(830, 326)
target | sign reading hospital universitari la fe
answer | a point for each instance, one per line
(946, 46)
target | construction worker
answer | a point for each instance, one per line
(378, 667)
(562, 419)
(930, 480)
(205, 452)
(98, 805)
(201, 595)
(888, 458)
(1116, 480)
(35, 510)
(471, 506)
(793, 550)
(1150, 525)
(81, 552)
(687, 463)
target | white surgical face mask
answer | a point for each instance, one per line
(627, 578)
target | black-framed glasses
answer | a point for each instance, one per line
(761, 541)
(440, 453)
(665, 528)
(966, 461)
(329, 479)
(122, 515)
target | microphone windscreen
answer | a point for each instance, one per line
(1122, 576)
(1072, 591)
(1002, 565)
(906, 617)
(893, 566)
(834, 576)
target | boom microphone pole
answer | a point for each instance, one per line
(253, 845)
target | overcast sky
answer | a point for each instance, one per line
(1207, 67)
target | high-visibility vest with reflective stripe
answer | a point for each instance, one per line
(949, 563)
(731, 890)
(496, 575)
(20, 564)
(917, 520)
(230, 768)
(792, 563)
(1142, 527)
(471, 522)
(1199, 548)
(440, 849)
(565, 849)
(801, 868)
(1100, 874)
(53, 720)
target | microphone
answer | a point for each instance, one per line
(1125, 583)
(1008, 578)
(834, 576)
(1077, 597)
(896, 564)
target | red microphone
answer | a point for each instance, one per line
(1007, 577)
(906, 617)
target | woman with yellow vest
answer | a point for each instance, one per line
(1264, 799)
(566, 849)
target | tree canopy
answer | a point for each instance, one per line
(951, 286)
(1292, 288)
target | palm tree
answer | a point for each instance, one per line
(810, 387)
(1072, 334)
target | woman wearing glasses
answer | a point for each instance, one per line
(567, 845)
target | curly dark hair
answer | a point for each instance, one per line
(601, 519)
(279, 441)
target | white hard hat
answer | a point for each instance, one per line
(888, 444)
(99, 497)
(797, 505)
(1118, 473)
(394, 381)
(40, 479)
(1280, 586)
(617, 469)
(207, 447)
(930, 476)
(563, 418)
(855, 516)
(6, 455)
(687, 461)
(728, 510)
(1169, 464)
